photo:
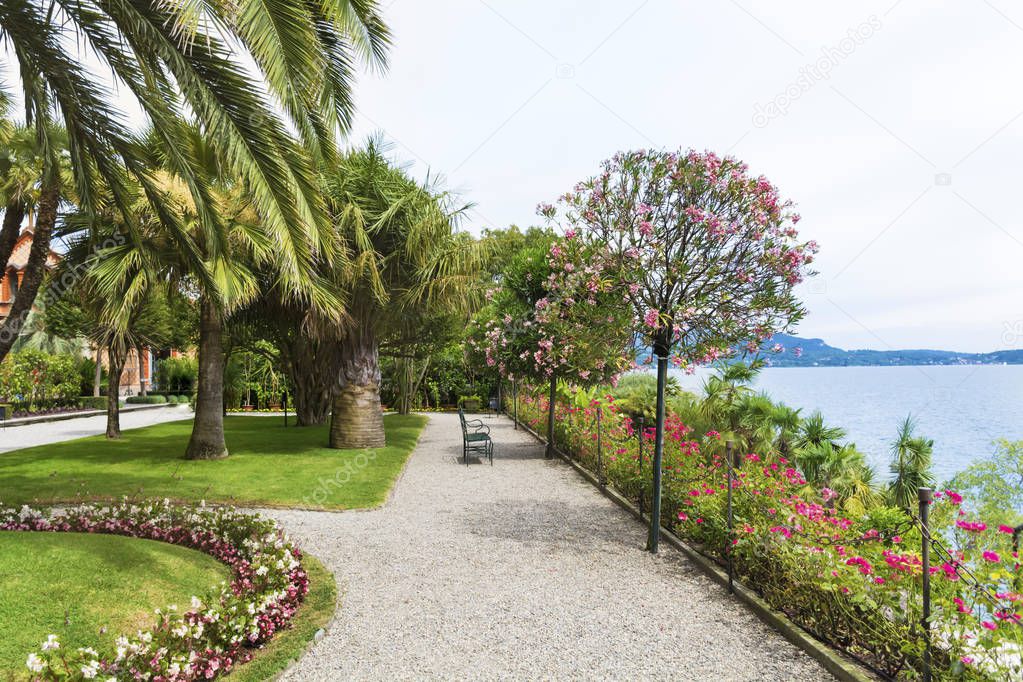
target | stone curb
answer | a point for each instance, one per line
(834, 662)
(29, 421)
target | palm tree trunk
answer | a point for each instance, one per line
(35, 269)
(97, 377)
(117, 356)
(13, 215)
(358, 420)
(312, 367)
(207, 441)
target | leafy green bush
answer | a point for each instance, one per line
(177, 375)
(146, 400)
(93, 403)
(34, 381)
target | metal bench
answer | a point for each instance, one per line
(475, 438)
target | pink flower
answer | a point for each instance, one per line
(973, 527)
(966, 660)
(652, 319)
(992, 557)
(1008, 530)
(989, 625)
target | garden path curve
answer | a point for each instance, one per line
(519, 571)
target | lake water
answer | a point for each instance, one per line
(961, 408)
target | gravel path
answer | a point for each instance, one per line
(519, 571)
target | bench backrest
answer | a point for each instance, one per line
(461, 419)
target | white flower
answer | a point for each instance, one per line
(262, 570)
(91, 670)
(196, 603)
(51, 643)
(35, 664)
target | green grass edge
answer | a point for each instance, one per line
(287, 646)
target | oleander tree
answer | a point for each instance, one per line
(708, 256)
(558, 313)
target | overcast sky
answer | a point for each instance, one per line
(895, 126)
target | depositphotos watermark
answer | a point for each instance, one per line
(815, 72)
(342, 476)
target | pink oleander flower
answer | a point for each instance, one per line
(652, 319)
(989, 625)
(1008, 530)
(992, 557)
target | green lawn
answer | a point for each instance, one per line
(73, 585)
(270, 465)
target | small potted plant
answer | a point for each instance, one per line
(469, 403)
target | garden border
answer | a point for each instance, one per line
(833, 661)
(268, 587)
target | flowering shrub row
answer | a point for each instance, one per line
(216, 631)
(854, 582)
(31, 379)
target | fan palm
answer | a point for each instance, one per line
(188, 56)
(405, 255)
(910, 466)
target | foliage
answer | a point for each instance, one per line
(155, 399)
(93, 402)
(993, 486)
(911, 465)
(36, 380)
(219, 628)
(177, 375)
(708, 254)
(852, 579)
(540, 323)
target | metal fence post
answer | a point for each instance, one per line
(600, 451)
(731, 520)
(925, 495)
(515, 403)
(641, 487)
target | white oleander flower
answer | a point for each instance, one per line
(90, 671)
(35, 664)
(51, 643)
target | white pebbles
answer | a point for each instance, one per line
(519, 571)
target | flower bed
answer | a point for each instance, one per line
(854, 581)
(216, 631)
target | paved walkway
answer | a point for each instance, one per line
(17, 437)
(520, 571)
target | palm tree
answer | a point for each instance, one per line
(34, 178)
(173, 57)
(910, 466)
(814, 431)
(405, 255)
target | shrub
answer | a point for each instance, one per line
(219, 629)
(36, 381)
(93, 403)
(155, 399)
(177, 375)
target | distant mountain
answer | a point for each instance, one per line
(816, 353)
